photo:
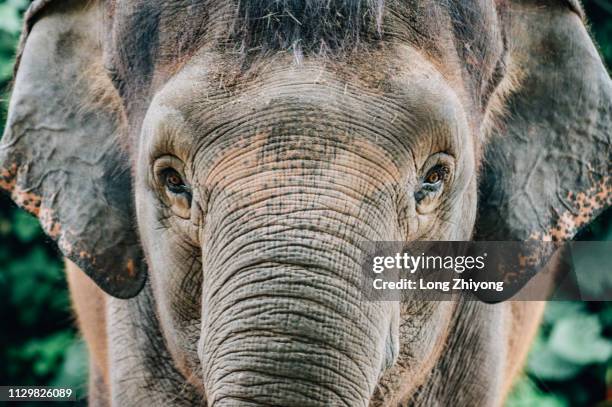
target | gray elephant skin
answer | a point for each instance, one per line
(209, 168)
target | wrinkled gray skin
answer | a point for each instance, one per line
(282, 207)
(293, 142)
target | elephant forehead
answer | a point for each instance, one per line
(392, 112)
(151, 38)
(272, 24)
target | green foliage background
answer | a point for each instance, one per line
(570, 364)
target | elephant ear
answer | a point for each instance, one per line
(547, 168)
(59, 155)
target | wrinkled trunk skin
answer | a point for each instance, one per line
(283, 321)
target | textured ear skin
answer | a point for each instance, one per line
(36, 9)
(547, 171)
(59, 157)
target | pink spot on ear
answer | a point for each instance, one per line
(7, 177)
(27, 200)
(52, 227)
(587, 203)
(130, 268)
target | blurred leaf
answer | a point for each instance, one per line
(578, 339)
(37, 285)
(6, 70)
(10, 19)
(556, 310)
(47, 353)
(527, 394)
(592, 265)
(10, 27)
(545, 364)
(73, 372)
(26, 226)
(5, 227)
(605, 316)
(6, 65)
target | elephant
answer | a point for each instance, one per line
(209, 168)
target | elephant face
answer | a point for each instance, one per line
(240, 153)
(259, 199)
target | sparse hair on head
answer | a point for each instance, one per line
(304, 26)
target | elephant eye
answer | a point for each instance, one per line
(435, 177)
(433, 182)
(174, 182)
(172, 187)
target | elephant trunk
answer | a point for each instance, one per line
(276, 344)
(283, 318)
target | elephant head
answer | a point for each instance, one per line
(237, 153)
